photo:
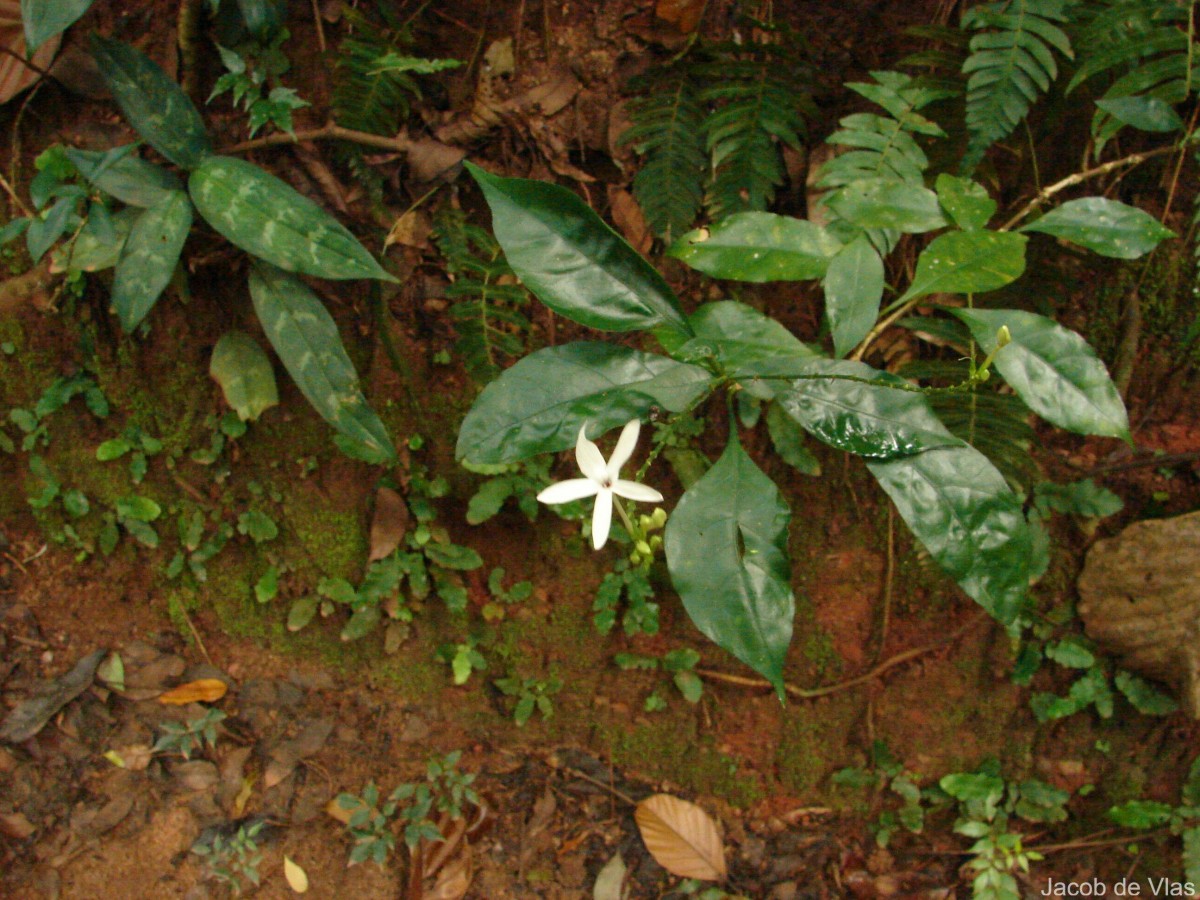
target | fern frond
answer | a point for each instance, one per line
(1143, 47)
(668, 133)
(375, 77)
(1011, 63)
(884, 146)
(487, 319)
(761, 97)
(996, 424)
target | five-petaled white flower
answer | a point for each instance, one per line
(602, 481)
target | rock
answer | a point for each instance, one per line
(1140, 601)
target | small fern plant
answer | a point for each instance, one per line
(487, 316)
(1012, 61)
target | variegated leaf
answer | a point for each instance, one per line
(124, 175)
(149, 257)
(307, 341)
(266, 217)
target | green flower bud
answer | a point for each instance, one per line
(643, 548)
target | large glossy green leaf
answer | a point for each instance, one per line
(741, 341)
(307, 341)
(127, 177)
(1104, 226)
(154, 104)
(887, 203)
(267, 218)
(1053, 370)
(758, 247)
(45, 18)
(869, 419)
(241, 367)
(539, 405)
(965, 201)
(149, 257)
(961, 508)
(853, 289)
(726, 547)
(964, 262)
(572, 260)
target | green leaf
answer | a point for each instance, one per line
(267, 587)
(726, 548)
(742, 341)
(1142, 695)
(1141, 814)
(539, 405)
(1104, 226)
(575, 264)
(269, 219)
(1071, 654)
(1191, 787)
(787, 438)
(91, 251)
(307, 341)
(689, 685)
(758, 247)
(872, 419)
(75, 502)
(44, 230)
(1079, 498)
(1191, 854)
(1143, 112)
(302, 612)
(149, 257)
(125, 176)
(45, 18)
(113, 449)
(1052, 369)
(244, 373)
(961, 508)
(153, 104)
(138, 508)
(887, 203)
(964, 262)
(853, 288)
(361, 623)
(488, 500)
(965, 201)
(453, 556)
(258, 526)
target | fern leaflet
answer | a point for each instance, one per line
(760, 97)
(1010, 64)
(1147, 48)
(668, 132)
(486, 317)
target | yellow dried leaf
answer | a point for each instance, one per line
(335, 810)
(681, 837)
(206, 690)
(297, 878)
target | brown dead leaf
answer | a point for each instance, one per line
(683, 14)
(205, 690)
(15, 76)
(411, 229)
(286, 755)
(629, 219)
(333, 189)
(551, 96)
(454, 880)
(681, 837)
(16, 826)
(31, 716)
(429, 159)
(297, 878)
(336, 811)
(389, 524)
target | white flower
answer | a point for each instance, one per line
(602, 481)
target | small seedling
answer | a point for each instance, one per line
(532, 694)
(185, 738)
(679, 664)
(496, 608)
(232, 860)
(463, 659)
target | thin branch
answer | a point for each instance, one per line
(328, 132)
(813, 693)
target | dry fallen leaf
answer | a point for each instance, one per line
(15, 76)
(297, 878)
(610, 880)
(206, 690)
(454, 880)
(337, 811)
(683, 14)
(681, 837)
(412, 230)
(389, 524)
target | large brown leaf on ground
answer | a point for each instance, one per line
(681, 837)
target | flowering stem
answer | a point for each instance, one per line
(625, 518)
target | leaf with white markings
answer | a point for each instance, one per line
(149, 257)
(1104, 226)
(244, 373)
(266, 217)
(127, 177)
(45, 18)
(153, 103)
(964, 262)
(307, 341)
(758, 247)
